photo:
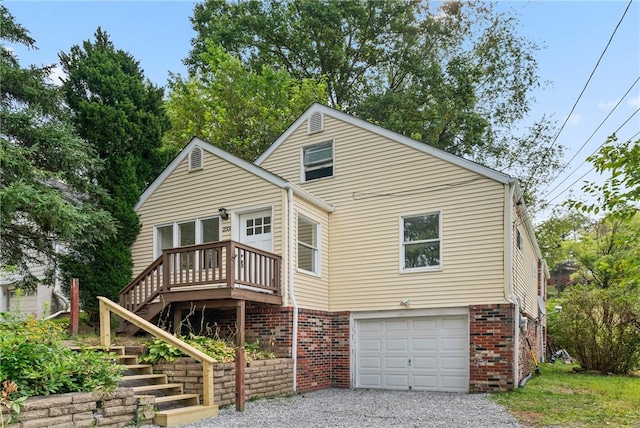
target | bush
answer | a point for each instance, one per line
(600, 328)
(35, 358)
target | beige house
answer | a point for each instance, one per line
(373, 260)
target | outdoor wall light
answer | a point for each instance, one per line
(223, 213)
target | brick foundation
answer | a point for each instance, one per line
(491, 355)
(323, 340)
(525, 362)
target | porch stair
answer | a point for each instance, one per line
(173, 407)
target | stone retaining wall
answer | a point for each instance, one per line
(80, 409)
(263, 378)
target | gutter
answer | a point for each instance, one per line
(512, 297)
(294, 303)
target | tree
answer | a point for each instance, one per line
(48, 200)
(121, 114)
(239, 110)
(619, 195)
(456, 76)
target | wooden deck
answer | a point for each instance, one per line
(216, 271)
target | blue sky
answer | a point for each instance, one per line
(573, 34)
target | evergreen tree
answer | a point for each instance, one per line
(121, 114)
(48, 200)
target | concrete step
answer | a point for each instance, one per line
(184, 415)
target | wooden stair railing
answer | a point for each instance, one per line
(226, 264)
(169, 417)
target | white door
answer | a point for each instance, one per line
(256, 229)
(421, 353)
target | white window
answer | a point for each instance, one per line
(308, 256)
(421, 242)
(179, 234)
(317, 161)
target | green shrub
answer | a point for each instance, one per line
(220, 350)
(33, 355)
(600, 328)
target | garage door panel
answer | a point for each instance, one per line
(371, 381)
(396, 381)
(425, 382)
(396, 362)
(371, 363)
(370, 344)
(424, 344)
(419, 353)
(395, 345)
(428, 363)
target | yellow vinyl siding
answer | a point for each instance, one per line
(188, 195)
(375, 182)
(312, 291)
(525, 266)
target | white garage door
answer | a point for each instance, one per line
(422, 353)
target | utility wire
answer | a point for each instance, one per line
(589, 139)
(533, 173)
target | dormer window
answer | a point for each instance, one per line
(317, 161)
(196, 159)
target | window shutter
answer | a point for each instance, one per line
(315, 123)
(195, 159)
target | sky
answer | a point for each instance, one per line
(572, 34)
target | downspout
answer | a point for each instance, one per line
(294, 335)
(512, 295)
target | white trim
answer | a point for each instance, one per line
(235, 214)
(401, 313)
(425, 148)
(303, 177)
(175, 236)
(401, 218)
(317, 257)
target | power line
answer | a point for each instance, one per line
(533, 173)
(590, 137)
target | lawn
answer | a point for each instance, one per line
(560, 397)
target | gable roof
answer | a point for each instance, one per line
(234, 160)
(394, 136)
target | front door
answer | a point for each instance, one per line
(256, 229)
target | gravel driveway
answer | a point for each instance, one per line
(366, 408)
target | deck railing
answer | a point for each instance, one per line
(222, 264)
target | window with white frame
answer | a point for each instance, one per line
(317, 161)
(421, 242)
(308, 255)
(179, 234)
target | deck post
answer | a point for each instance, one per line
(105, 325)
(75, 307)
(240, 364)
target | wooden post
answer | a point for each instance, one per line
(105, 325)
(177, 319)
(240, 364)
(75, 307)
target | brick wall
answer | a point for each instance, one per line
(525, 362)
(323, 341)
(491, 329)
(265, 378)
(81, 409)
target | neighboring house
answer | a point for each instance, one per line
(373, 260)
(43, 301)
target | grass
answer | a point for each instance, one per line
(560, 397)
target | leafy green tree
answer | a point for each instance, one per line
(453, 75)
(48, 200)
(121, 114)
(619, 195)
(561, 227)
(239, 110)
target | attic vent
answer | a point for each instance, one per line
(315, 123)
(195, 159)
